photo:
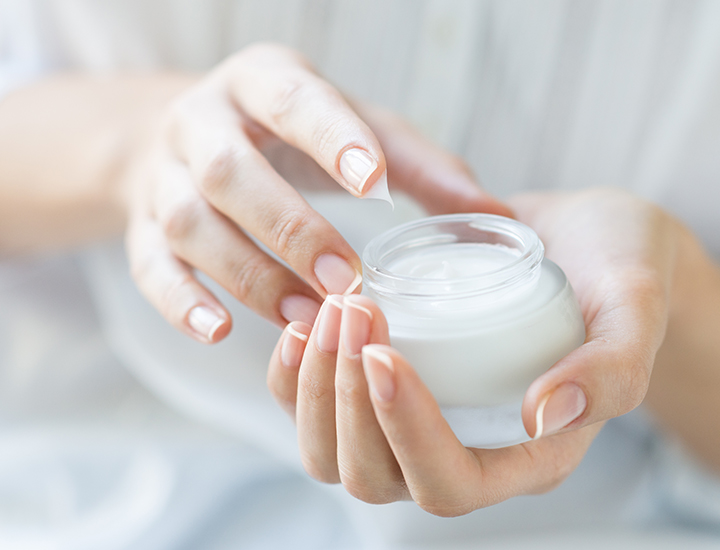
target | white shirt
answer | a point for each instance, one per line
(534, 96)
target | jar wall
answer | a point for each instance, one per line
(494, 363)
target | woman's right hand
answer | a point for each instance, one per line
(206, 186)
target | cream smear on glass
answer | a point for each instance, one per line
(477, 310)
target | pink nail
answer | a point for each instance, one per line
(329, 324)
(297, 307)
(355, 327)
(336, 275)
(205, 322)
(356, 167)
(293, 346)
(558, 408)
(379, 372)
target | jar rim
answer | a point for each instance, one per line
(437, 230)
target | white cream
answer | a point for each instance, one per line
(478, 312)
(453, 260)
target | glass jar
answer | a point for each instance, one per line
(479, 313)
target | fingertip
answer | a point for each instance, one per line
(494, 206)
(328, 324)
(208, 325)
(379, 333)
(299, 330)
(360, 169)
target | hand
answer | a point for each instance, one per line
(206, 186)
(380, 432)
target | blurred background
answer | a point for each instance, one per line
(117, 432)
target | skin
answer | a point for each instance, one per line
(186, 165)
(650, 298)
(190, 165)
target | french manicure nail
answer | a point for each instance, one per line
(558, 408)
(379, 372)
(355, 328)
(356, 166)
(293, 347)
(336, 275)
(297, 307)
(205, 321)
(329, 325)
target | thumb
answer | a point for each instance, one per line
(608, 375)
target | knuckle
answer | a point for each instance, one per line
(296, 94)
(317, 391)
(286, 101)
(180, 220)
(349, 395)
(556, 467)
(248, 276)
(328, 133)
(223, 169)
(288, 230)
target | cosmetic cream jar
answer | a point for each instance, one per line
(479, 313)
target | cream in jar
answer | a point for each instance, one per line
(477, 310)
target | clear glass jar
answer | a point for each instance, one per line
(477, 310)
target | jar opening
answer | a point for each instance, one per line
(452, 257)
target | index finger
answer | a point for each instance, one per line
(278, 88)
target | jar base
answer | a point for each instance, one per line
(487, 427)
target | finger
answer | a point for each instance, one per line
(170, 285)
(279, 89)
(315, 410)
(282, 377)
(443, 477)
(621, 276)
(439, 180)
(204, 238)
(366, 464)
(607, 376)
(240, 183)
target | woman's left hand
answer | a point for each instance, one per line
(365, 419)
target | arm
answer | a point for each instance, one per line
(684, 392)
(67, 146)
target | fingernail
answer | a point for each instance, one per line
(293, 347)
(205, 321)
(336, 275)
(356, 166)
(355, 327)
(297, 307)
(329, 327)
(558, 408)
(379, 373)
